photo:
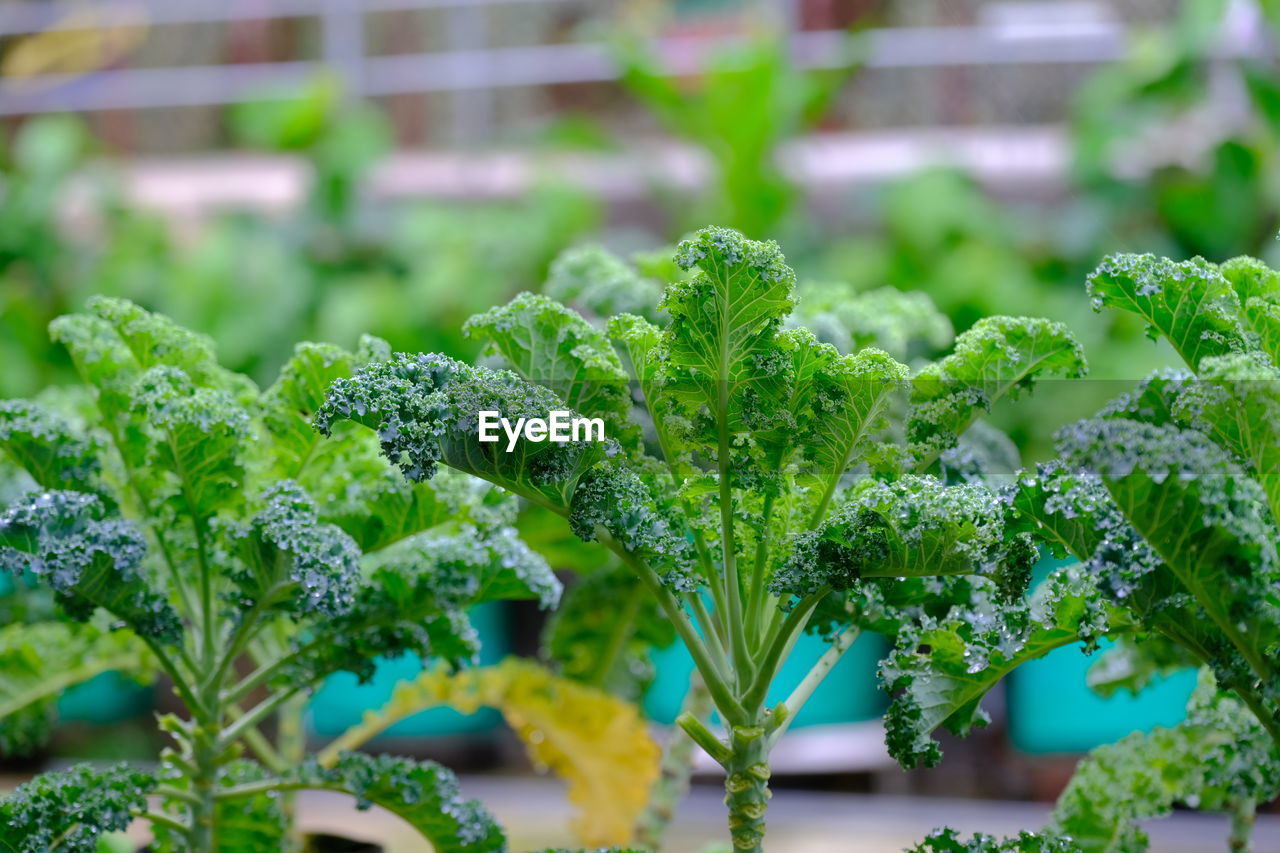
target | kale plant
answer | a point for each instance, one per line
(1168, 499)
(202, 528)
(756, 481)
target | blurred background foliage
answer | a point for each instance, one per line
(1174, 149)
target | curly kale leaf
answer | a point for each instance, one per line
(619, 501)
(1258, 288)
(423, 794)
(913, 527)
(842, 403)
(550, 345)
(425, 410)
(198, 438)
(46, 447)
(594, 280)
(355, 488)
(1218, 758)
(1189, 303)
(948, 841)
(1203, 516)
(294, 562)
(720, 355)
(474, 566)
(940, 668)
(69, 810)
(998, 357)
(414, 601)
(906, 325)
(38, 661)
(89, 559)
(1236, 402)
(608, 609)
(1072, 510)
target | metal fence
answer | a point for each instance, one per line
(1001, 34)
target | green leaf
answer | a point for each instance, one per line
(940, 669)
(415, 598)
(595, 281)
(915, 527)
(425, 410)
(604, 631)
(69, 810)
(545, 343)
(293, 561)
(38, 661)
(423, 794)
(1189, 303)
(997, 357)
(947, 840)
(1219, 757)
(720, 353)
(288, 406)
(1236, 402)
(89, 559)
(354, 488)
(1201, 514)
(850, 401)
(476, 566)
(905, 325)
(46, 447)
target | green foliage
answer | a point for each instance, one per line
(1218, 758)
(67, 811)
(761, 485)
(949, 841)
(1166, 499)
(213, 529)
(40, 660)
(423, 794)
(747, 101)
(1152, 186)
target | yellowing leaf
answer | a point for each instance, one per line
(597, 743)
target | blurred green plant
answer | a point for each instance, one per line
(1179, 145)
(746, 101)
(185, 522)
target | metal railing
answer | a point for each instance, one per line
(476, 68)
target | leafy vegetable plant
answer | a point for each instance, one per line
(202, 528)
(756, 481)
(1169, 500)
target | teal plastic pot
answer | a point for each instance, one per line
(1052, 710)
(106, 698)
(341, 701)
(848, 694)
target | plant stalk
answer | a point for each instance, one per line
(746, 787)
(677, 767)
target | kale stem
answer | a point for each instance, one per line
(755, 591)
(746, 787)
(714, 644)
(1243, 811)
(815, 676)
(677, 767)
(733, 584)
(255, 715)
(180, 684)
(725, 702)
(779, 644)
(165, 820)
